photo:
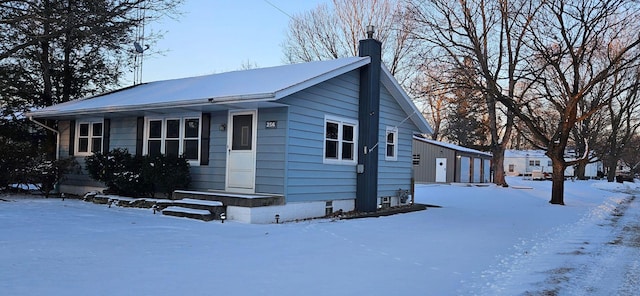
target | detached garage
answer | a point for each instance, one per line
(439, 162)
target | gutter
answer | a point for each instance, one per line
(52, 130)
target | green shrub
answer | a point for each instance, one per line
(168, 174)
(129, 175)
(14, 159)
(45, 174)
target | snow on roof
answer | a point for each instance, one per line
(254, 85)
(451, 146)
(270, 83)
(525, 153)
(534, 153)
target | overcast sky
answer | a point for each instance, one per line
(222, 35)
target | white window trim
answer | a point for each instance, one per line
(341, 122)
(181, 138)
(394, 131)
(76, 140)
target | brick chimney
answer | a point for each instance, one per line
(369, 118)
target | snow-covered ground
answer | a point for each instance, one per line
(483, 241)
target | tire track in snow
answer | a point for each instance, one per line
(543, 265)
(616, 269)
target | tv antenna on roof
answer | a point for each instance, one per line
(139, 45)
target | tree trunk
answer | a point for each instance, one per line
(611, 170)
(498, 166)
(557, 182)
(558, 164)
(47, 92)
(580, 169)
(67, 77)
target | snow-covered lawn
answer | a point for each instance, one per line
(483, 241)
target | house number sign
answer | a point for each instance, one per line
(271, 124)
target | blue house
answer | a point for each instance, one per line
(301, 140)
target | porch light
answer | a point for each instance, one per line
(222, 127)
(277, 218)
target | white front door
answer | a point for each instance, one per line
(441, 170)
(241, 147)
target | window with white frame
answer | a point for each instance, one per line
(89, 137)
(392, 143)
(340, 140)
(175, 137)
(534, 162)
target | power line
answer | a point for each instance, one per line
(278, 8)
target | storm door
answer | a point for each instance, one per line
(241, 146)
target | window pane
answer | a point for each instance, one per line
(96, 145)
(242, 135)
(332, 130)
(347, 151)
(171, 148)
(191, 149)
(390, 138)
(347, 133)
(331, 149)
(155, 129)
(173, 129)
(83, 145)
(97, 129)
(154, 148)
(390, 150)
(191, 128)
(84, 130)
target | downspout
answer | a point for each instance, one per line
(52, 130)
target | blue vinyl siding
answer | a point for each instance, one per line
(309, 179)
(212, 176)
(271, 151)
(394, 175)
(123, 134)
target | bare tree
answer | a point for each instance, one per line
(586, 134)
(577, 47)
(484, 39)
(540, 59)
(330, 32)
(431, 97)
(623, 119)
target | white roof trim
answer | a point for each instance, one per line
(451, 146)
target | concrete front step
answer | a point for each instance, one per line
(177, 211)
(232, 199)
(205, 210)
